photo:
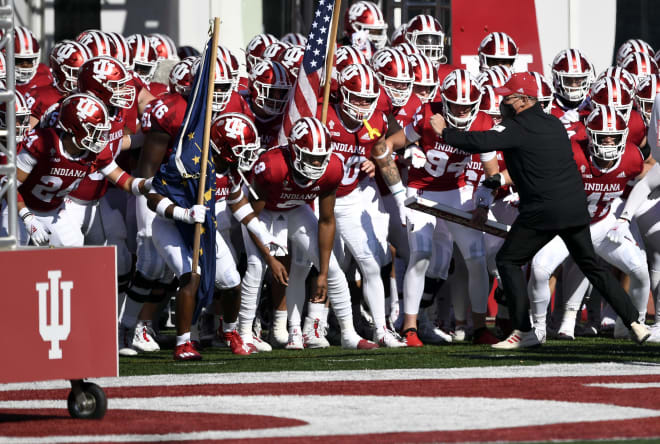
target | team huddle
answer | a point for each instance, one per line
(314, 242)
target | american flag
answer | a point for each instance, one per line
(307, 89)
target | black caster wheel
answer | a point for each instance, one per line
(87, 401)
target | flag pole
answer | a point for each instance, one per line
(329, 61)
(205, 141)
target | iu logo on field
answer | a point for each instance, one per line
(50, 327)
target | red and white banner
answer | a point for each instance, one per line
(59, 315)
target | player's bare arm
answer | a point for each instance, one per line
(326, 240)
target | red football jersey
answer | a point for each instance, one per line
(53, 173)
(166, 114)
(384, 103)
(636, 128)
(237, 104)
(95, 185)
(575, 130)
(269, 130)
(157, 89)
(404, 114)
(272, 173)
(43, 101)
(353, 147)
(445, 165)
(227, 182)
(604, 186)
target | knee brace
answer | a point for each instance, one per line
(141, 289)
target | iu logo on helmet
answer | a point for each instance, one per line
(55, 331)
(64, 52)
(234, 128)
(86, 108)
(299, 130)
(102, 69)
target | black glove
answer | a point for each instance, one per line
(494, 182)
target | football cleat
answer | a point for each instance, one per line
(388, 338)
(236, 344)
(431, 334)
(518, 339)
(314, 333)
(355, 342)
(295, 341)
(257, 343)
(186, 352)
(411, 338)
(459, 334)
(640, 332)
(483, 336)
(143, 338)
(278, 337)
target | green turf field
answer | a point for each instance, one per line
(582, 350)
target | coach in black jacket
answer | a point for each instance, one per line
(539, 159)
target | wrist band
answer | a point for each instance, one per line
(162, 206)
(122, 179)
(255, 227)
(242, 212)
(397, 188)
(238, 198)
(25, 213)
(135, 186)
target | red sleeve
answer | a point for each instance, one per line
(636, 128)
(334, 172)
(420, 119)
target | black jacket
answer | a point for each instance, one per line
(539, 158)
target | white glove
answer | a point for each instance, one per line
(360, 39)
(483, 197)
(416, 155)
(193, 215)
(619, 231)
(38, 232)
(570, 116)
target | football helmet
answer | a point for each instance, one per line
(426, 81)
(347, 55)
(120, 50)
(187, 51)
(619, 73)
(545, 91)
(639, 65)
(26, 54)
(235, 139)
(359, 91)
(22, 117)
(571, 75)
(223, 84)
(497, 48)
(490, 103)
(106, 78)
(399, 35)
(274, 51)
(181, 76)
(630, 46)
(426, 34)
(460, 89)
(164, 46)
(395, 74)
(311, 147)
(256, 47)
(269, 85)
(407, 48)
(65, 61)
(495, 76)
(145, 57)
(295, 39)
(232, 61)
(86, 119)
(645, 94)
(604, 123)
(97, 42)
(609, 91)
(366, 16)
(292, 59)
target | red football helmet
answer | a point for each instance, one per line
(235, 139)
(347, 55)
(294, 38)
(399, 35)
(311, 147)
(609, 91)
(106, 78)
(274, 51)
(86, 119)
(639, 65)
(232, 61)
(181, 76)
(359, 90)
(460, 99)
(395, 74)
(120, 50)
(65, 59)
(256, 47)
(407, 48)
(630, 46)
(545, 91)
(145, 57)
(223, 84)
(97, 42)
(495, 76)
(164, 46)
(619, 73)
(366, 16)
(571, 75)
(426, 81)
(26, 54)
(607, 131)
(490, 103)
(292, 59)
(497, 48)
(269, 85)
(645, 94)
(426, 34)
(22, 117)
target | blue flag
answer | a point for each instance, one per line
(178, 179)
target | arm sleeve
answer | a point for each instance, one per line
(25, 161)
(500, 137)
(641, 191)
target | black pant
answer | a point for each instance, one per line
(520, 246)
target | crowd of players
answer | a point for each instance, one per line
(314, 243)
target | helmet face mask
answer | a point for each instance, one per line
(270, 85)
(608, 132)
(359, 89)
(395, 74)
(311, 147)
(235, 140)
(461, 98)
(572, 75)
(365, 16)
(426, 34)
